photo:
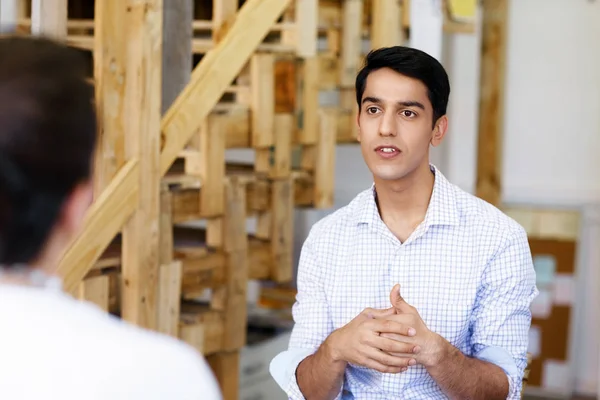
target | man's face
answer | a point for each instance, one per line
(395, 124)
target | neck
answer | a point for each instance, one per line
(404, 202)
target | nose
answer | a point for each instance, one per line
(387, 126)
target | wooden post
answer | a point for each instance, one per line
(307, 17)
(49, 18)
(386, 27)
(142, 99)
(224, 12)
(491, 100)
(110, 81)
(9, 14)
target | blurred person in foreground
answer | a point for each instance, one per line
(53, 346)
(415, 289)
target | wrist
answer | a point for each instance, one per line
(441, 352)
(332, 351)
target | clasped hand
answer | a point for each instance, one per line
(389, 340)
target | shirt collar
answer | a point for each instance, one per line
(442, 209)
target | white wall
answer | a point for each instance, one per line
(552, 138)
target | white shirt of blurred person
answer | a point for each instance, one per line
(53, 346)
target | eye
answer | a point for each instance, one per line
(372, 110)
(408, 114)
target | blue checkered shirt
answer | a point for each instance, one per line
(467, 268)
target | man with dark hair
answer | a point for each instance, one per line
(415, 289)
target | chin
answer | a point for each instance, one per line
(385, 174)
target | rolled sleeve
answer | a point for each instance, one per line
(502, 317)
(312, 322)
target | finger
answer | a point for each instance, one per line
(387, 359)
(373, 313)
(394, 346)
(386, 369)
(390, 326)
(398, 301)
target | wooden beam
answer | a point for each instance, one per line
(110, 81)
(491, 100)
(386, 27)
(224, 12)
(307, 17)
(178, 125)
(105, 218)
(9, 14)
(214, 75)
(49, 18)
(142, 97)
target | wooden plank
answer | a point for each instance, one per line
(307, 17)
(9, 14)
(49, 18)
(351, 42)
(282, 225)
(142, 99)
(285, 85)
(325, 160)
(226, 366)
(169, 298)
(284, 127)
(224, 12)
(177, 48)
(110, 81)
(491, 100)
(212, 169)
(95, 290)
(215, 73)
(262, 72)
(105, 218)
(386, 25)
(310, 101)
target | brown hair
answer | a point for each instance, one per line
(47, 139)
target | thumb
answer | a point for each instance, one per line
(397, 300)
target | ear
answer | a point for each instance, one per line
(76, 206)
(358, 125)
(439, 131)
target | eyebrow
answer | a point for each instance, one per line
(377, 100)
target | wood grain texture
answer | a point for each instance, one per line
(491, 101)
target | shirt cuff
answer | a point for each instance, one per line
(503, 359)
(283, 370)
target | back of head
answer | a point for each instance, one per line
(47, 139)
(415, 64)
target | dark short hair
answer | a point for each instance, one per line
(47, 139)
(413, 63)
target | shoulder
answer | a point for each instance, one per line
(339, 221)
(169, 367)
(483, 218)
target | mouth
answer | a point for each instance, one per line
(387, 151)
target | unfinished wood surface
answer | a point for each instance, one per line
(285, 125)
(177, 48)
(212, 168)
(142, 99)
(224, 12)
(214, 75)
(386, 26)
(110, 81)
(10, 14)
(226, 366)
(325, 160)
(262, 72)
(95, 290)
(491, 100)
(307, 17)
(285, 85)
(282, 226)
(104, 220)
(351, 41)
(310, 101)
(169, 298)
(49, 18)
